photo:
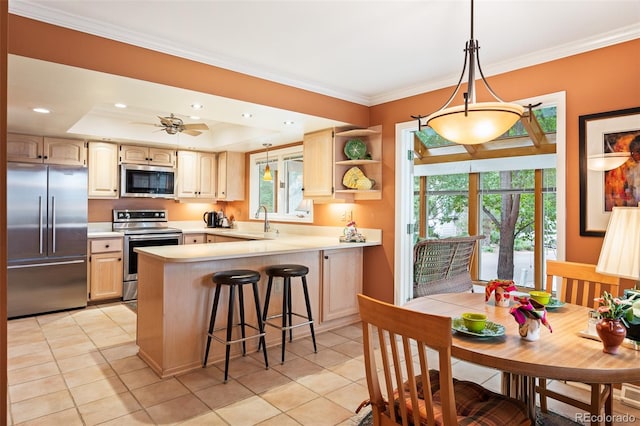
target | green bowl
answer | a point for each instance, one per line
(541, 297)
(474, 322)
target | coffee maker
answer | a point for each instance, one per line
(211, 219)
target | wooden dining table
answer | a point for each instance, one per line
(563, 354)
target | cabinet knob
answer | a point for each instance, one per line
(326, 257)
(115, 190)
(45, 157)
(39, 156)
(106, 246)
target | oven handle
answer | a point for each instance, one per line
(152, 237)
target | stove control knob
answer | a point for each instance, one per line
(127, 215)
(162, 214)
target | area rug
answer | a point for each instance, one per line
(542, 419)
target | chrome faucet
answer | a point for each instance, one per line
(266, 219)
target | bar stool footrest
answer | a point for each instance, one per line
(241, 339)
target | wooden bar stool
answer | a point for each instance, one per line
(235, 278)
(287, 272)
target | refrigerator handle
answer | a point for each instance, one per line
(40, 221)
(53, 221)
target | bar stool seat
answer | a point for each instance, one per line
(288, 271)
(235, 279)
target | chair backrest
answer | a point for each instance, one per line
(579, 282)
(397, 335)
(442, 265)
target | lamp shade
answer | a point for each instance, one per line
(607, 161)
(267, 174)
(481, 122)
(620, 254)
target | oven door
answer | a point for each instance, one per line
(144, 240)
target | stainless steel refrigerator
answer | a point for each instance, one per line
(47, 238)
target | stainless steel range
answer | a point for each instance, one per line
(141, 228)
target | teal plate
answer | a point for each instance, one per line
(554, 303)
(355, 149)
(491, 329)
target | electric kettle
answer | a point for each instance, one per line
(210, 218)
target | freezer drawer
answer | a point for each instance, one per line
(46, 286)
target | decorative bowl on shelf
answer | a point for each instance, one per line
(355, 149)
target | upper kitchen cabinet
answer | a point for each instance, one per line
(38, 149)
(196, 175)
(103, 170)
(131, 154)
(343, 165)
(230, 185)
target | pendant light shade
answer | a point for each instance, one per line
(267, 170)
(473, 122)
(607, 161)
(478, 123)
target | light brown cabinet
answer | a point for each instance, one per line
(39, 149)
(230, 184)
(131, 154)
(103, 170)
(341, 282)
(105, 268)
(193, 238)
(196, 175)
(326, 164)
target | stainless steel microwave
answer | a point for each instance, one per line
(147, 181)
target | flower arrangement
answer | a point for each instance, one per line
(613, 308)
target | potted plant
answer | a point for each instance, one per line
(610, 328)
(631, 318)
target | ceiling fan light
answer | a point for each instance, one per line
(482, 121)
(607, 161)
(267, 174)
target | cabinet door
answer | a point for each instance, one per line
(103, 170)
(341, 282)
(207, 164)
(105, 275)
(317, 149)
(24, 148)
(162, 157)
(132, 154)
(65, 151)
(193, 239)
(230, 185)
(188, 175)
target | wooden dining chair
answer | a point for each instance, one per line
(395, 352)
(579, 284)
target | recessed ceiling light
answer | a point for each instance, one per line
(247, 115)
(41, 110)
(194, 117)
(120, 105)
(289, 123)
(197, 106)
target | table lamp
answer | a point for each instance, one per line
(620, 254)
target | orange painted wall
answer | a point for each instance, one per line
(601, 80)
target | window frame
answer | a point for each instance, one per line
(278, 156)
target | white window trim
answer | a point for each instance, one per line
(253, 186)
(403, 258)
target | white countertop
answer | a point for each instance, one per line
(281, 244)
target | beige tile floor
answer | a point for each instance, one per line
(81, 368)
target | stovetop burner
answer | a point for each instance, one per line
(141, 222)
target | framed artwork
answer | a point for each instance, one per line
(600, 191)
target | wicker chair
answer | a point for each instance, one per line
(442, 265)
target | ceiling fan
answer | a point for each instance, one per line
(173, 125)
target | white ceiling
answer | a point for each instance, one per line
(368, 52)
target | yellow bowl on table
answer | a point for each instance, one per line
(474, 322)
(541, 297)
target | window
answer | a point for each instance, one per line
(281, 196)
(509, 199)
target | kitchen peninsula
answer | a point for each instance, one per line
(175, 291)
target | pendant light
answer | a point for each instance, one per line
(474, 122)
(267, 170)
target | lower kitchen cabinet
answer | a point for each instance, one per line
(341, 282)
(105, 268)
(193, 238)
